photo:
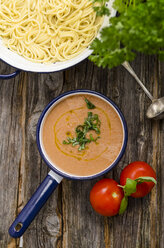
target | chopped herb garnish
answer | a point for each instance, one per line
(89, 104)
(92, 122)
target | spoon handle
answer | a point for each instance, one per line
(127, 66)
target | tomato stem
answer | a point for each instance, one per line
(120, 186)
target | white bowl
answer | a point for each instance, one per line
(21, 63)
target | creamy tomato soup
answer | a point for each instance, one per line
(61, 123)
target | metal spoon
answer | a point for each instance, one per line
(156, 109)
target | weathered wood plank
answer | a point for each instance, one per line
(46, 227)
(11, 101)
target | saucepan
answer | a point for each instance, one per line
(56, 174)
(22, 64)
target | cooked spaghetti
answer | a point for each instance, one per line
(48, 31)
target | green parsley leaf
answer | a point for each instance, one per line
(138, 28)
(100, 7)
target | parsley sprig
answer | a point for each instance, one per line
(138, 28)
(100, 8)
(92, 122)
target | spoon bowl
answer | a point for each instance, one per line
(156, 109)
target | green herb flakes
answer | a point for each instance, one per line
(89, 104)
(92, 122)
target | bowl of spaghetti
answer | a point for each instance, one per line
(48, 35)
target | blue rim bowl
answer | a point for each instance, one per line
(58, 99)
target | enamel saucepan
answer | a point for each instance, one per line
(56, 175)
(22, 64)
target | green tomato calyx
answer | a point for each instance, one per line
(130, 187)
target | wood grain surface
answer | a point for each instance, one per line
(67, 219)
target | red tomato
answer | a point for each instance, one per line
(135, 170)
(106, 196)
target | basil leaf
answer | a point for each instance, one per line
(92, 122)
(89, 104)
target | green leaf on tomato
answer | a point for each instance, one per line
(145, 179)
(123, 205)
(130, 187)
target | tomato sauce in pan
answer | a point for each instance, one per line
(61, 123)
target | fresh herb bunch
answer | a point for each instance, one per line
(138, 28)
(92, 122)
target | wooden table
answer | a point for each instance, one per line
(67, 220)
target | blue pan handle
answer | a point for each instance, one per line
(12, 75)
(33, 206)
